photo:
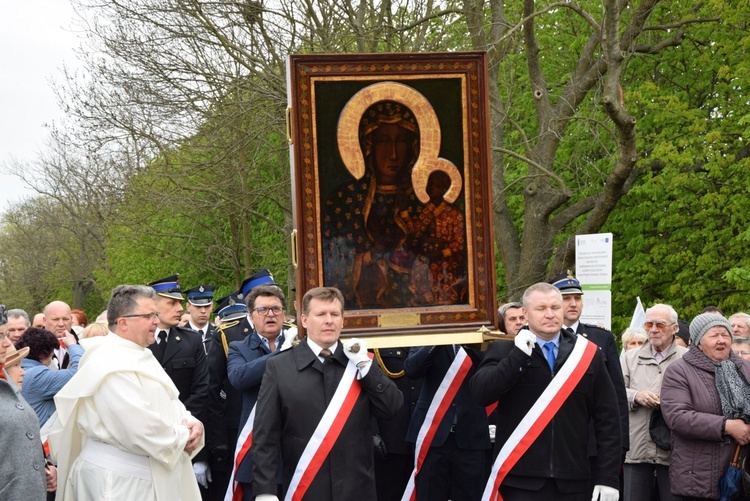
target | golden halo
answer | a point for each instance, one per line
(347, 136)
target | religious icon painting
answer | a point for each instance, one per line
(391, 189)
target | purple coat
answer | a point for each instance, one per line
(692, 409)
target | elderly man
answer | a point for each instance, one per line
(122, 432)
(18, 322)
(58, 319)
(315, 406)
(741, 346)
(643, 370)
(740, 323)
(549, 385)
(512, 318)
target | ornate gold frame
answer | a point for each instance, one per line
(447, 94)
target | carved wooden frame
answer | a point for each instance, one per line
(454, 85)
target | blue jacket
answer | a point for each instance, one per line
(41, 384)
(246, 363)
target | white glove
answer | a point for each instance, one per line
(605, 493)
(493, 429)
(202, 473)
(290, 336)
(361, 355)
(525, 341)
(266, 497)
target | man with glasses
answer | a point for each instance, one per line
(225, 401)
(246, 361)
(122, 432)
(180, 352)
(643, 369)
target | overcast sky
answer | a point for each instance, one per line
(35, 42)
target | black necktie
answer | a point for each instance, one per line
(570, 331)
(204, 341)
(161, 346)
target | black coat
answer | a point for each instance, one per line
(293, 397)
(430, 363)
(605, 340)
(514, 380)
(224, 400)
(393, 431)
(210, 331)
(185, 363)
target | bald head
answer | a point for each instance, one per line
(58, 318)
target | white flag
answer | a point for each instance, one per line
(639, 316)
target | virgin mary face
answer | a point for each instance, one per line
(392, 152)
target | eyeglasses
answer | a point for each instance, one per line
(147, 316)
(661, 326)
(265, 310)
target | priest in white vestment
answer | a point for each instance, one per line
(121, 431)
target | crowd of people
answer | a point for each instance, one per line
(154, 401)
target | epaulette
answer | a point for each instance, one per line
(220, 329)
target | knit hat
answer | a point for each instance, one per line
(700, 325)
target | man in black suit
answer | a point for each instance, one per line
(291, 415)
(546, 445)
(454, 467)
(200, 301)
(572, 294)
(180, 353)
(224, 400)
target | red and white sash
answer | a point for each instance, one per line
(325, 434)
(442, 399)
(540, 415)
(244, 441)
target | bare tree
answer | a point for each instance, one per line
(200, 86)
